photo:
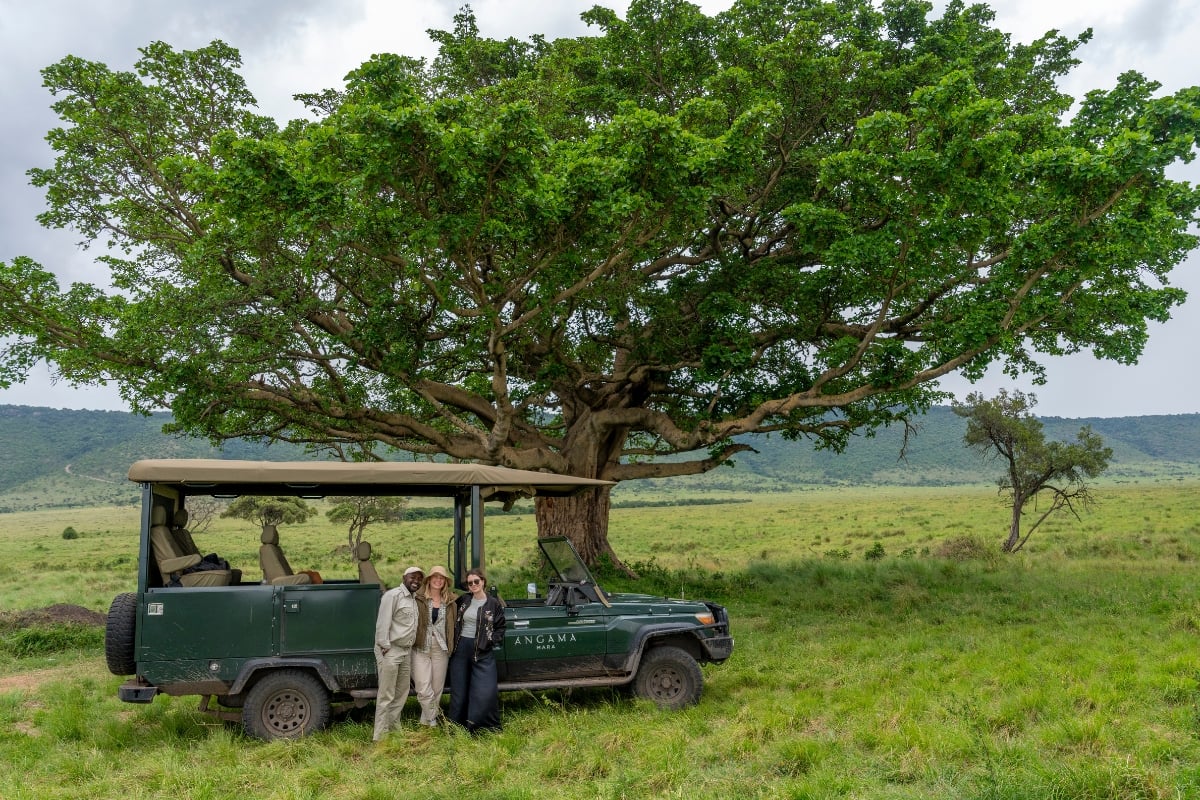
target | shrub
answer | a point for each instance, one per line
(964, 548)
(70, 533)
(876, 552)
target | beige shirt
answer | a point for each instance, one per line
(396, 623)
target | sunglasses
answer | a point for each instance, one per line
(474, 582)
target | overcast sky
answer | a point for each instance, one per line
(292, 46)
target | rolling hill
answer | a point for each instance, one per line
(56, 458)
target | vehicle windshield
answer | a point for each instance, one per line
(565, 561)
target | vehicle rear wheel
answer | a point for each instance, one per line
(119, 630)
(286, 704)
(670, 677)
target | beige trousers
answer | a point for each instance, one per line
(429, 678)
(394, 670)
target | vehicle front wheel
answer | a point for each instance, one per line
(670, 677)
(286, 704)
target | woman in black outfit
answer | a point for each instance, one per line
(478, 630)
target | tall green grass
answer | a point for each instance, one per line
(938, 669)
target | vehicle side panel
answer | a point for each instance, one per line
(545, 641)
(328, 619)
(335, 623)
(188, 635)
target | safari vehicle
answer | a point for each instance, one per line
(281, 654)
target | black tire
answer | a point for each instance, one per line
(119, 631)
(286, 704)
(669, 677)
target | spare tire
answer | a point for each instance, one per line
(119, 631)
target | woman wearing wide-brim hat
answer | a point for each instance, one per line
(435, 641)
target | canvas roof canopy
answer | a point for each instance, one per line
(218, 476)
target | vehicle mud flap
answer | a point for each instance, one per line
(136, 691)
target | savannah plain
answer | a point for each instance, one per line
(885, 649)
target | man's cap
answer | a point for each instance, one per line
(411, 570)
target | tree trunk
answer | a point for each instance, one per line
(1014, 528)
(583, 519)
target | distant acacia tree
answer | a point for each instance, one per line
(270, 510)
(359, 512)
(201, 513)
(1004, 427)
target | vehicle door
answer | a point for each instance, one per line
(546, 641)
(565, 635)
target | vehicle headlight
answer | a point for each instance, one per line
(706, 618)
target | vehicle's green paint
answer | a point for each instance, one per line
(228, 625)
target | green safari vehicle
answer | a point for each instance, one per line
(281, 654)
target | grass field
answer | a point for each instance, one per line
(885, 649)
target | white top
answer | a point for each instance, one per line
(471, 618)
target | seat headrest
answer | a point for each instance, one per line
(158, 516)
(269, 535)
(362, 551)
(181, 518)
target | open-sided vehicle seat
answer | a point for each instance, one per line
(172, 561)
(187, 545)
(276, 569)
(366, 570)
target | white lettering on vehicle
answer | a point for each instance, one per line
(542, 641)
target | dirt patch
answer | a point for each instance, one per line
(29, 681)
(57, 614)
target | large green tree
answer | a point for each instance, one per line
(613, 256)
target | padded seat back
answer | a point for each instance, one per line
(188, 545)
(366, 570)
(182, 535)
(276, 569)
(172, 560)
(167, 553)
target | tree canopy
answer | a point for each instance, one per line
(611, 256)
(1004, 428)
(270, 510)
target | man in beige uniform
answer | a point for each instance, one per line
(395, 632)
